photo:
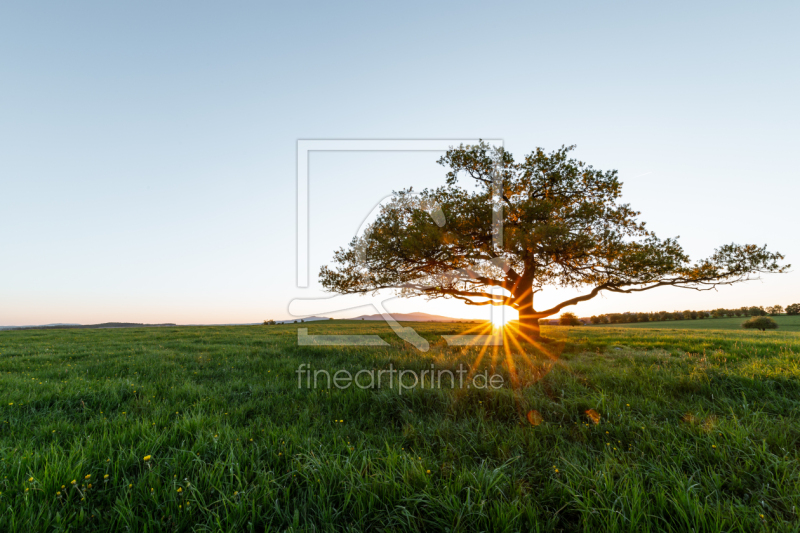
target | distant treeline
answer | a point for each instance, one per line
(660, 316)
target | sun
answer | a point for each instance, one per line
(501, 316)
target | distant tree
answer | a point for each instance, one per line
(760, 322)
(605, 319)
(775, 310)
(793, 309)
(269, 322)
(757, 311)
(596, 319)
(569, 319)
(717, 313)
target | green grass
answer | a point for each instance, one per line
(699, 431)
(786, 323)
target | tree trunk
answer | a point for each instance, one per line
(529, 320)
(529, 326)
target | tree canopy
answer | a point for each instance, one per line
(563, 225)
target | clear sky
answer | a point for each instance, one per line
(147, 149)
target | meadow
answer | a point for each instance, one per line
(206, 429)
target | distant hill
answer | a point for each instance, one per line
(415, 317)
(39, 326)
(90, 326)
(304, 319)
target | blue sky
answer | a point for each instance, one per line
(147, 151)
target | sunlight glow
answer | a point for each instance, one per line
(501, 316)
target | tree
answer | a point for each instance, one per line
(793, 309)
(269, 322)
(775, 310)
(760, 322)
(569, 319)
(757, 311)
(596, 319)
(563, 225)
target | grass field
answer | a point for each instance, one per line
(698, 431)
(785, 323)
